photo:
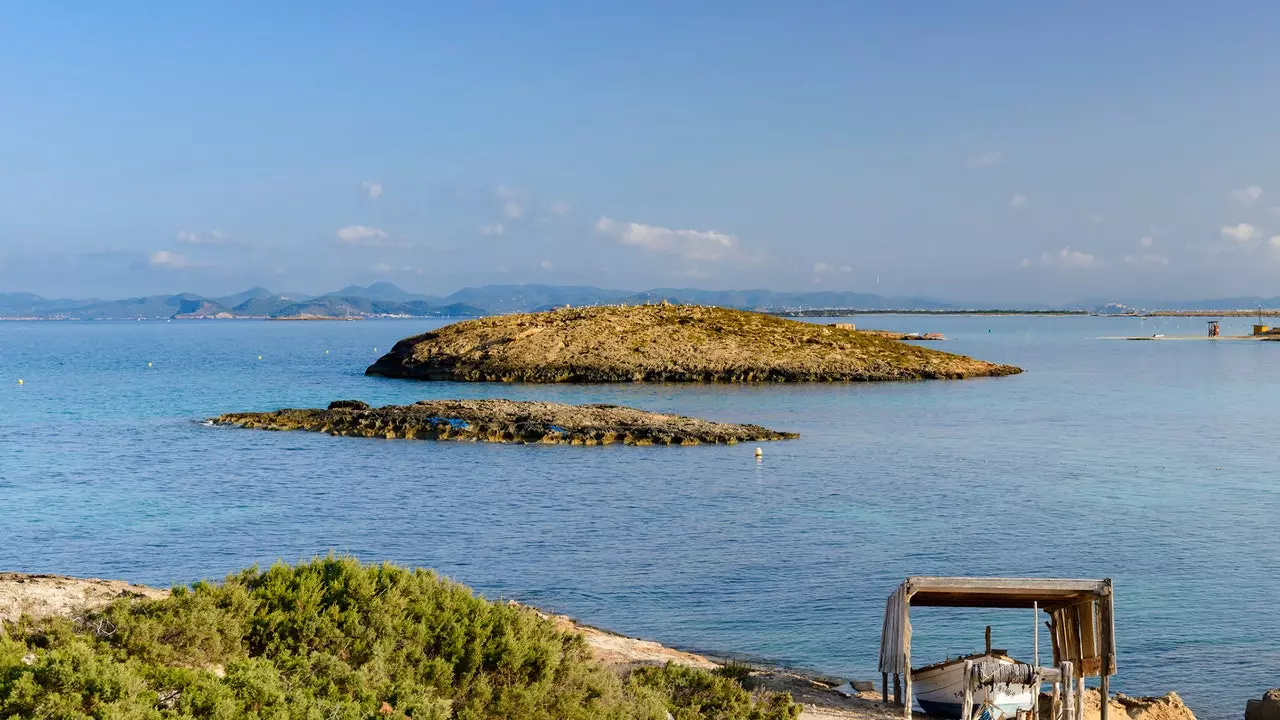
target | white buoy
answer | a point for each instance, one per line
(759, 453)
(259, 357)
(19, 381)
(148, 364)
(326, 352)
(375, 349)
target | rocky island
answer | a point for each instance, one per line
(664, 343)
(504, 421)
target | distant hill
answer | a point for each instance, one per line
(385, 291)
(523, 298)
(384, 299)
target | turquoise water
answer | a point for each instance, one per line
(1150, 463)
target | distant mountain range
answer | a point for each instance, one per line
(384, 299)
(387, 300)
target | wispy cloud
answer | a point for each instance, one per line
(1240, 233)
(545, 264)
(494, 229)
(168, 260)
(824, 267)
(372, 189)
(365, 236)
(1018, 201)
(691, 244)
(986, 159)
(1245, 196)
(196, 237)
(1147, 241)
(1066, 259)
(513, 209)
(561, 208)
(1146, 259)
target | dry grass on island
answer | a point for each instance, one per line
(665, 343)
(504, 421)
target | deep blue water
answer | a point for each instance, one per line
(1150, 463)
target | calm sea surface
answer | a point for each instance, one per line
(1151, 463)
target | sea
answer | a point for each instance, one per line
(1150, 463)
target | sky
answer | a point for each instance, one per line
(983, 152)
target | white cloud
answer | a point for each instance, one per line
(502, 192)
(365, 236)
(1146, 259)
(494, 229)
(560, 208)
(195, 237)
(372, 189)
(1066, 258)
(986, 159)
(1245, 196)
(1147, 241)
(823, 267)
(1018, 201)
(382, 268)
(166, 259)
(692, 244)
(513, 209)
(545, 265)
(1241, 233)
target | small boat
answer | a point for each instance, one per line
(939, 688)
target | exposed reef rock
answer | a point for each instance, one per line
(504, 421)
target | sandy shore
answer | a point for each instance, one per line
(50, 595)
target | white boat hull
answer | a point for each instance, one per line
(940, 690)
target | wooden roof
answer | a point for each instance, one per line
(1049, 593)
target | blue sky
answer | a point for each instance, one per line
(971, 151)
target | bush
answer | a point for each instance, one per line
(336, 639)
(693, 694)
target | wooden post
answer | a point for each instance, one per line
(1055, 707)
(897, 689)
(1080, 695)
(1103, 690)
(1035, 624)
(988, 639)
(967, 711)
(907, 699)
(1068, 691)
(884, 687)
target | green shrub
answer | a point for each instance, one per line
(336, 640)
(693, 694)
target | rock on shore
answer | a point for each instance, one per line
(504, 421)
(664, 343)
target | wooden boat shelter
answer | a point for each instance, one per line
(1081, 624)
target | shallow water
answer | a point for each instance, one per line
(1145, 462)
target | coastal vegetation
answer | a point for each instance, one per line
(336, 639)
(664, 343)
(504, 421)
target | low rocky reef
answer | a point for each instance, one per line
(665, 343)
(508, 421)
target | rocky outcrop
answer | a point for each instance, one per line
(57, 595)
(504, 421)
(664, 343)
(1130, 707)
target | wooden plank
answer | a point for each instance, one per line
(884, 687)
